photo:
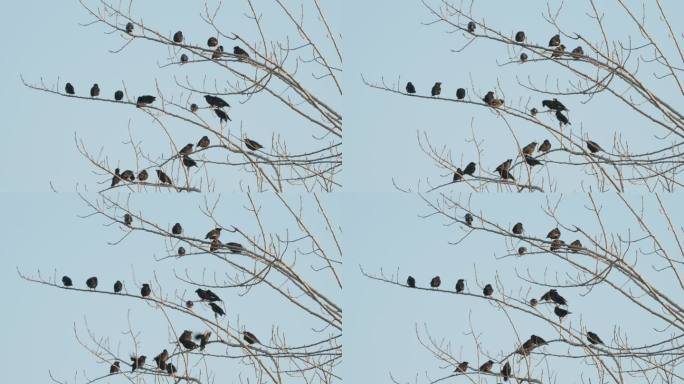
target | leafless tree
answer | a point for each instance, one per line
(635, 74)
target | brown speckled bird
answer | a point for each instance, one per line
(186, 340)
(142, 175)
(436, 89)
(594, 338)
(520, 36)
(575, 246)
(558, 51)
(487, 366)
(555, 41)
(529, 148)
(488, 290)
(522, 251)
(462, 367)
(178, 37)
(91, 282)
(468, 219)
(593, 147)
(518, 228)
(556, 244)
(203, 142)
(252, 145)
(177, 229)
(213, 234)
(435, 282)
(577, 53)
(250, 338)
(163, 177)
(186, 150)
(203, 338)
(115, 368)
(212, 42)
(545, 146)
(554, 234)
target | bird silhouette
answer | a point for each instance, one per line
(95, 90)
(142, 175)
(554, 104)
(487, 366)
(163, 177)
(560, 312)
(171, 369)
(577, 53)
(177, 229)
(458, 175)
(471, 26)
(488, 290)
(593, 147)
(186, 150)
(594, 338)
(216, 101)
(239, 51)
(556, 244)
(555, 41)
(118, 286)
(222, 115)
(520, 36)
(129, 27)
(411, 282)
(252, 145)
(217, 310)
(470, 169)
(250, 338)
(161, 359)
(218, 52)
(118, 95)
(189, 162)
(533, 302)
(184, 58)
(468, 219)
(410, 88)
(234, 247)
(207, 295)
(115, 368)
(213, 234)
(181, 251)
(553, 295)
(460, 93)
(506, 371)
(545, 146)
(128, 219)
(66, 280)
(116, 178)
(194, 108)
(462, 367)
(562, 118)
(518, 228)
(522, 251)
(489, 96)
(137, 362)
(178, 37)
(558, 51)
(460, 285)
(145, 290)
(214, 245)
(203, 338)
(554, 234)
(534, 111)
(523, 57)
(436, 89)
(127, 175)
(145, 100)
(529, 148)
(496, 103)
(575, 246)
(435, 282)
(189, 304)
(531, 161)
(212, 42)
(69, 89)
(186, 340)
(91, 282)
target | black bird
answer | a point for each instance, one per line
(177, 229)
(471, 26)
(522, 251)
(207, 295)
(239, 51)
(554, 234)
(436, 89)
(410, 88)
(116, 178)
(518, 228)
(178, 37)
(212, 42)
(552, 295)
(66, 280)
(184, 58)
(145, 290)
(560, 312)
(186, 150)
(545, 146)
(529, 148)
(186, 340)
(189, 304)
(118, 286)
(562, 118)
(234, 247)
(127, 175)
(181, 251)
(594, 338)
(189, 162)
(470, 169)
(593, 147)
(250, 338)
(458, 175)
(163, 177)
(468, 219)
(138, 362)
(118, 95)
(462, 367)
(577, 53)
(128, 219)
(142, 175)
(488, 290)
(194, 108)
(531, 161)
(218, 52)
(222, 115)
(575, 246)
(252, 145)
(95, 90)
(171, 369)
(69, 89)
(203, 338)
(203, 142)
(487, 366)
(523, 57)
(506, 371)
(488, 97)
(558, 51)
(216, 101)
(534, 111)
(217, 310)
(161, 359)
(129, 27)
(145, 100)
(460, 285)
(556, 245)
(533, 302)
(115, 368)
(555, 41)
(91, 282)
(554, 104)
(460, 93)
(213, 234)
(538, 341)
(520, 36)
(411, 282)
(435, 282)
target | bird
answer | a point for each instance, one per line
(529, 148)
(118, 286)
(171, 369)
(177, 229)
(189, 304)
(488, 290)
(217, 310)
(218, 52)
(252, 145)
(203, 338)
(554, 234)
(66, 280)
(181, 251)
(69, 89)
(95, 90)
(560, 312)
(138, 362)
(116, 178)
(129, 27)
(213, 234)
(178, 37)
(460, 285)
(161, 358)
(593, 147)
(115, 368)
(462, 367)
(534, 111)
(506, 371)
(522, 251)
(411, 282)
(471, 26)
(250, 338)
(128, 219)
(518, 228)
(435, 282)
(460, 93)
(594, 338)
(203, 142)
(556, 245)
(489, 96)
(520, 36)
(538, 341)
(577, 53)
(127, 175)
(531, 161)
(555, 41)
(216, 101)
(558, 51)
(189, 162)
(436, 89)
(91, 282)
(207, 295)
(545, 146)
(533, 302)
(496, 103)
(410, 88)
(212, 41)
(142, 175)
(533, 342)
(145, 290)
(145, 100)
(468, 219)
(163, 177)
(239, 51)
(523, 57)
(184, 58)
(575, 246)
(186, 340)
(215, 245)
(234, 247)
(194, 108)
(222, 115)
(186, 150)
(118, 95)
(470, 169)
(554, 104)
(553, 295)
(458, 175)
(487, 366)
(562, 118)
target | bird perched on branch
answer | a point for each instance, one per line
(558, 51)
(186, 150)
(562, 118)
(145, 290)
(470, 169)
(533, 342)
(163, 177)
(128, 219)
(458, 175)
(203, 142)
(577, 53)
(239, 51)
(533, 302)
(531, 161)
(488, 97)
(95, 90)
(487, 366)
(92, 282)
(118, 286)
(252, 145)
(436, 89)
(66, 280)
(529, 148)
(411, 282)
(554, 234)
(178, 37)
(575, 246)
(194, 108)
(203, 338)
(435, 282)
(137, 362)
(593, 147)
(214, 245)
(471, 26)
(217, 310)
(555, 41)
(186, 340)
(523, 57)
(181, 251)
(218, 52)
(594, 338)
(171, 369)
(462, 367)
(488, 290)
(518, 228)
(460, 285)
(207, 295)
(118, 95)
(213, 234)
(250, 338)
(212, 42)
(560, 312)
(145, 100)
(553, 295)
(216, 101)
(410, 88)
(468, 219)
(506, 371)
(69, 89)
(556, 244)
(554, 104)
(115, 368)
(189, 162)
(129, 27)
(222, 115)
(520, 36)
(545, 146)
(127, 175)
(234, 247)
(161, 359)
(534, 111)
(142, 175)
(460, 93)
(184, 58)
(177, 229)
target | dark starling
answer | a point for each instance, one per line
(554, 104)
(518, 228)
(523, 57)
(66, 280)
(189, 162)
(575, 246)
(94, 91)
(435, 282)
(250, 338)
(213, 234)
(138, 362)
(239, 51)
(145, 290)
(145, 100)
(253, 145)
(171, 369)
(520, 36)
(506, 174)
(91, 282)
(487, 366)
(488, 97)
(118, 95)
(203, 142)
(488, 290)
(181, 251)
(115, 368)
(593, 147)
(410, 88)
(186, 340)
(538, 341)
(562, 118)
(129, 27)
(203, 338)
(118, 286)
(531, 161)
(177, 229)
(534, 111)
(545, 146)
(184, 58)
(161, 358)
(69, 89)
(186, 150)
(506, 371)
(128, 219)
(411, 282)
(553, 295)
(560, 312)
(558, 51)
(194, 108)
(471, 26)
(556, 244)
(215, 245)
(460, 93)
(189, 304)
(577, 53)
(462, 367)
(207, 295)
(217, 310)
(221, 115)
(554, 234)
(212, 42)
(458, 175)
(533, 302)
(460, 285)
(470, 169)
(127, 175)
(468, 219)
(436, 89)
(529, 148)
(504, 166)
(178, 37)
(522, 251)
(216, 101)
(116, 178)
(163, 177)
(142, 175)
(234, 247)
(594, 338)
(555, 41)
(218, 52)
